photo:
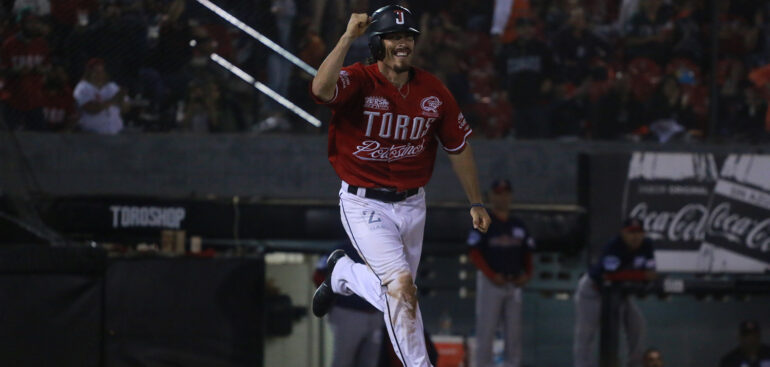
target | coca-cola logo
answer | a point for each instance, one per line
(372, 150)
(754, 234)
(686, 224)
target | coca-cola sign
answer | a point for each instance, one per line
(669, 193)
(704, 212)
(753, 234)
(686, 224)
(739, 219)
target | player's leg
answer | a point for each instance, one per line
(410, 215)
(346, 327)
(372, 228)
(636, 329)
(350, 277)
(489, 303)
(587, 315)
(375, 237)
(512, 325)
(369, 349)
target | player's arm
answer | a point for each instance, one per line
(326, 79)
(465, 167)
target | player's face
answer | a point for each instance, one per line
(632, 238)
(500, 200)
(399, 48)
(653, 359)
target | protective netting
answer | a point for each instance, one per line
(595, 69)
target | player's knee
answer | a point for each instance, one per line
(404, 290)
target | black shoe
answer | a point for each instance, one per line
(324, 296)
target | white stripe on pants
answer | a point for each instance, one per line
(588, 304)
(388, 236)
(497, 305)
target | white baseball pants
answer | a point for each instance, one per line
(388, 236)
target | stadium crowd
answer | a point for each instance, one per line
(528, 69)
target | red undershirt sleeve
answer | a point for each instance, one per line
(528, 264)
(478, 260)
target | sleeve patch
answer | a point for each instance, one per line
(344, 79)
(474, 238)
(611, 263)
(462, 123)
(650, 264)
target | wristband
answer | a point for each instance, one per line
(480, 205)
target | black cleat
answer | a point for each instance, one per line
(324, 296)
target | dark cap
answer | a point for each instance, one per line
(501, 185)
(749, 327)
(633, 225)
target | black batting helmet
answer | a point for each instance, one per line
(389, 19)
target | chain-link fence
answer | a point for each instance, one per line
(596, 69)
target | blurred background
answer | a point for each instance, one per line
(179, 222)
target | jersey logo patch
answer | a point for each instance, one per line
(344, 78)
(399, 16)
(430, 105)
(474, 238)
(372, 150)
(519, 232)
(376, 103)
(462, 123)
(611, 263)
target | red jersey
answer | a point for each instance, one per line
(382, 137)
(58, 108)
(26, 90)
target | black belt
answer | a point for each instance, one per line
(384, 195)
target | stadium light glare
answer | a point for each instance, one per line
(258, 36)
(265, 89)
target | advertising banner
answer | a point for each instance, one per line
(705, 213)
(738, 229)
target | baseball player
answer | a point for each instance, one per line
(388, 120)
(750, 352)
(503, 257)
(627, 257)
(356, 325)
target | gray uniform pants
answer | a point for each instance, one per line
(588, 302)
(497, 305)
(357, 337)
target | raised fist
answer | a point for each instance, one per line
(357, 24)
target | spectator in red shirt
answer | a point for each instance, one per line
(58, 104)
(70, 12)
(24, 61)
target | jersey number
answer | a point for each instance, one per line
(372, 218)
(399, 16)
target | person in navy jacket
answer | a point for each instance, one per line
(627, 257)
